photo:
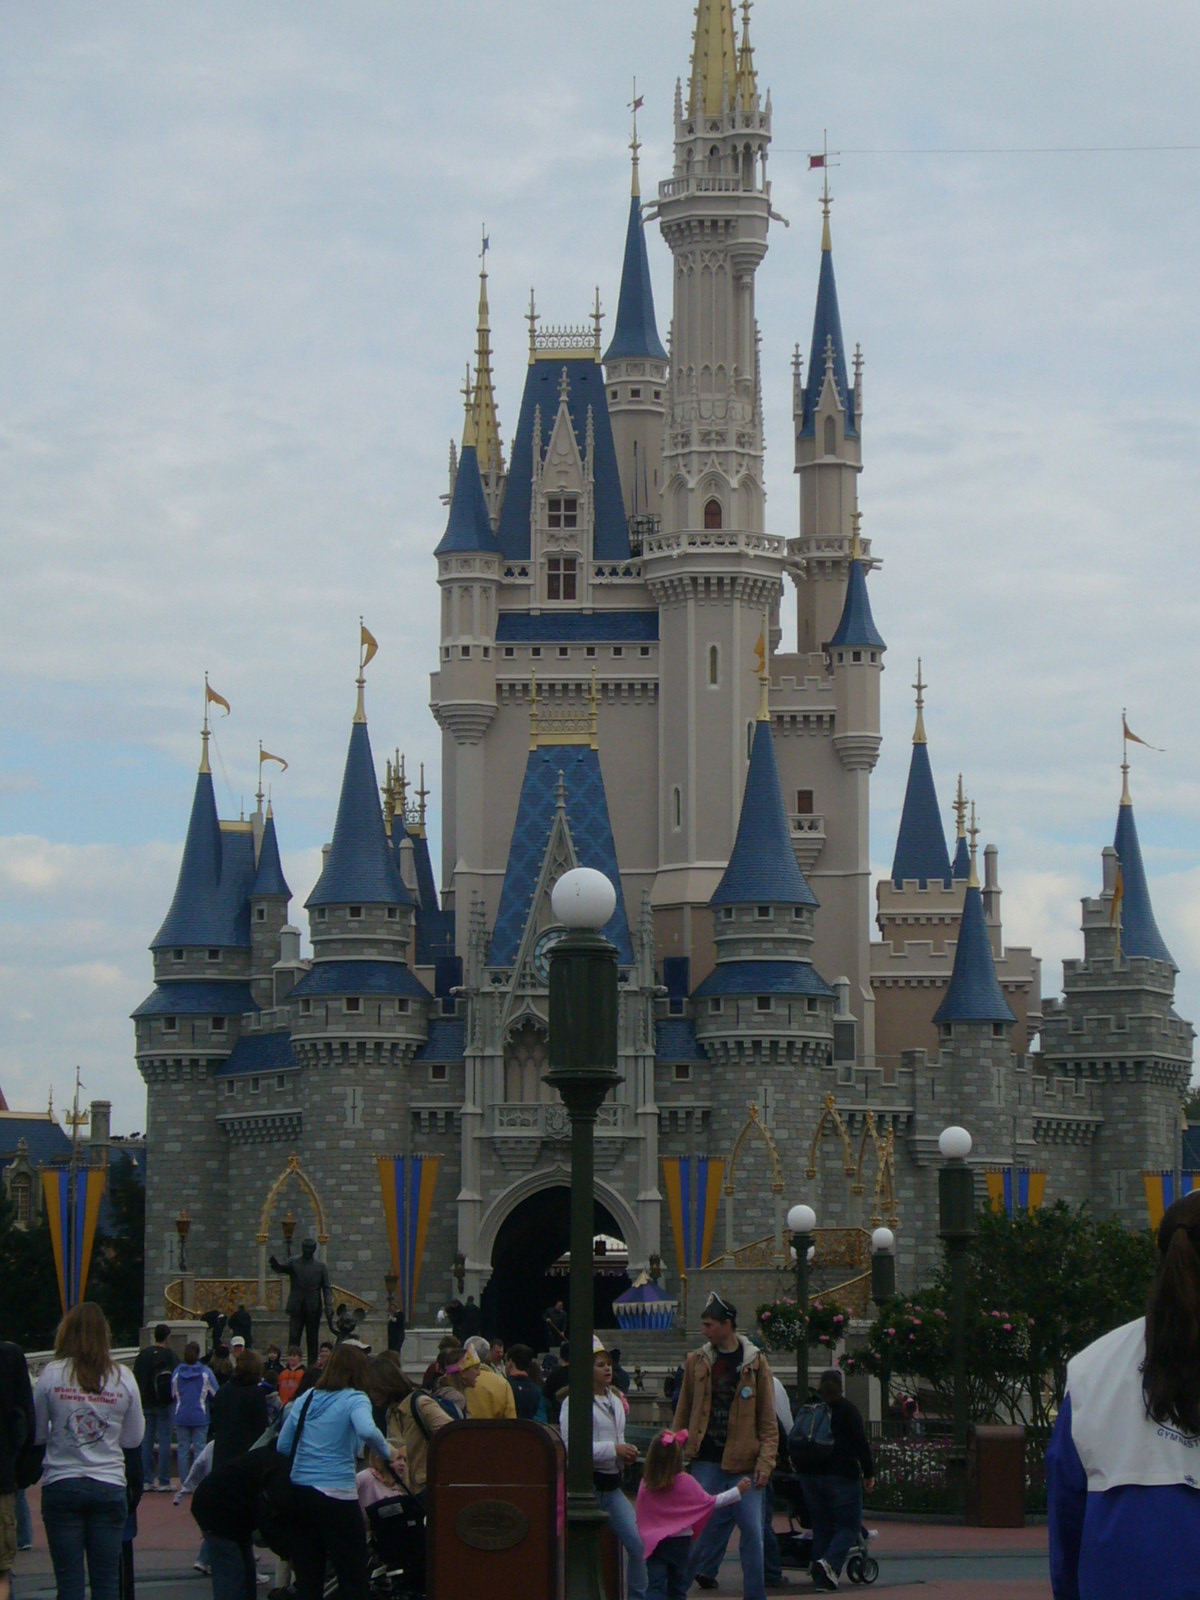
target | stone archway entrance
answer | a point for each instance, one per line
(531, 1238)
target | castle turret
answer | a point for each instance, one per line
(960, 869)
(713, 572)
(827, 413)
(269, 900)
(1139, 931)
(635, 368)
(921, 854)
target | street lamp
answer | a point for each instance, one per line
(956, 1224)
(883, 1265)
(183, 1227)
(801, 1221)
(288, 1228)
(583, 1068)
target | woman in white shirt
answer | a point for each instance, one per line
(609, 1454)
(88, 1412)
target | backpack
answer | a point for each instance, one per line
(162, 1381)
(415, 1410)
(810, 1443)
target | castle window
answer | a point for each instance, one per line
(214, 955)
(997, 1030)
(536, 652)
(255, 1085)
(564, 649)
(804, 802)
(218, 1024)
(487, 652)
(401, 1007)
(797, 913)
(675, 1006)
(306, 1008)
(716, 1005)
(280, 1081)
(874, 658)
(714, 666)
(763, 913)
(354, 913)
(645, 650)
(445, 652)
(658, 394)
(762, 1002)
(635, 394)
(320, 913)
(353, 1005)
(830, 437)
(618, 650)
(509, 651)
(525, 1061)
(260, 913)
(810, 1004)
(589, 650)
(437, 1072)
(21, 1196)
(683, 1071)
(712, 514)
(614, 395)
(354, 1107)
(856, 655)
(726, 913)
(176, 955)
(562, 511)
(464, 650)
(947, 1030)
(170, 1024)
(561, 574)
(677, 807)
(230, 1087)
(393, 913)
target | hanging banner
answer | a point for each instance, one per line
(1160, 1191)
(72, 1212)
(407, 1184)
(1015, 1189)
(693, 1189)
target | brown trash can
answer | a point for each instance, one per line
(995, 1476)
(497, 1504)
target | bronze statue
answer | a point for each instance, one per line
(309, 1293)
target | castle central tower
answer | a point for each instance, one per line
(712, 571)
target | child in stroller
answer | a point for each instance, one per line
(795, 1546)
(395, 1534)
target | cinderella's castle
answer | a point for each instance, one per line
(612, 692)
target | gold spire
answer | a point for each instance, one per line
(211, 698)
(367, 646)
(960, 811)
(635, 143)
(482, 422)
(973, 833)
(826, 197)
(422, 796)
(920, 687)
(855, 540)
(747, 78)
(714, 58)
(764, 677)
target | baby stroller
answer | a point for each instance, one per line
(795, 1546)
(396, 1535)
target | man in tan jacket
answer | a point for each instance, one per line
(726, 1402)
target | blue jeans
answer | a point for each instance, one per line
(668, 1567)
(24, 1522)
(835, 1506)
(623, 1522)
(84, 1517)
(748, 1516)
(188, 1444)
(772, 1555)
(234, 1574)
(157, 1437)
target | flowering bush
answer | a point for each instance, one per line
(779, 1323)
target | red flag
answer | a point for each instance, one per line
(815, 161)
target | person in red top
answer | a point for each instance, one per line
(292, 1375)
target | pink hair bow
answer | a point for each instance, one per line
(675, 1438)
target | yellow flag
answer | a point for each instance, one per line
(265, 755)
(1118, 896)
(215, 699)
(369, 643)
(1133, 738)
(760, 654)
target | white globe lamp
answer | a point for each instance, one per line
(583, 899)
(954, 1144)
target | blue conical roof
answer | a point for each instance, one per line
(468, 526)
(763, 869)
(269, 879)
(974, 994)
(1139, 931)
(857, 625)
(921, 843)
(201, 913)
(635, 333)
(961, 867)
(360, 867)
(827, 325)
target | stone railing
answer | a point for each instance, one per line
(710, 539)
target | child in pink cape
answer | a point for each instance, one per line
(671, 1509)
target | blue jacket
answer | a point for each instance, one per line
(337, 1426)
(192, 1383)
(1124, 1498)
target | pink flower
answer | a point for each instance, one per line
(766, 1316)
(1008, 1327)
(891, 1332)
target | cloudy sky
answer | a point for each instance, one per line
(237, 290)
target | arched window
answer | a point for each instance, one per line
(677, 807)
(22, 1192)
(525, 1061)
(712, 514)
(714, 666)
(830, 437)
(749, 739)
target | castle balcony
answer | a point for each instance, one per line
(708, 183)
(706, 541)
(808, 837)
(535, 1120)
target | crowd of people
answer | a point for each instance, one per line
(352, 1431)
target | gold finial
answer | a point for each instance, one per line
(597, 314)
(920, 687)
(389, 796)
(960, 811)
(855, 542)
(531, 317)
(485, 425)
(747, 78)
(204, 734)
(422, 796)
(468, 395)
(367, 646)
(973, 835)
(824, 163)
(635, 145)
(1128, 737)
(764, 677)
(50, 1104)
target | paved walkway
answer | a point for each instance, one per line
(916, 1559)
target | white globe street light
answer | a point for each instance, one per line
(801, 1219)
(955, 1143)
(583, 898)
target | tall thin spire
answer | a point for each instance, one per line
(920, 687)
(960, 869)
(635, 144)
(714, 58)
(483, 403)
(747, 78)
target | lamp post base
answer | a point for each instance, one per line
(585, 1523)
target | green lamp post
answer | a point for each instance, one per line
(956, 1224)
(583, 1068)
(801, 1221)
